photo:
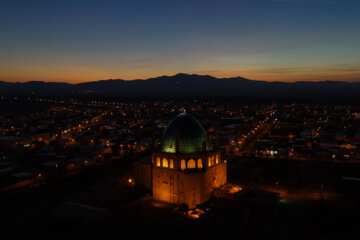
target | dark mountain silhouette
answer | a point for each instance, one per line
(36, 86)
(190, 85)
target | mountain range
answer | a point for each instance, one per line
(189, 85)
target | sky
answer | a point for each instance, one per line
(87, 40)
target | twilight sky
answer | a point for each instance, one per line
(87, 40)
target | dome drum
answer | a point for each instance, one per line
(204, 160)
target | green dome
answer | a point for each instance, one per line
(191, 135)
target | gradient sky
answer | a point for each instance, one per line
(86, 40)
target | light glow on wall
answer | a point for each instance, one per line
(199, 163)
(191, 163)
(183, 164)
(165, 163)
(171, 163)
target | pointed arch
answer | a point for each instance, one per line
(183, 164)
(199, 163)
(171, 165)
(191, 163)
(165, 163)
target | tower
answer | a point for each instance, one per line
(187, 166)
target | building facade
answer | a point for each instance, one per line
(186, 167)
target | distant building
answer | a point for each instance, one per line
(10, 142)
(187, 166)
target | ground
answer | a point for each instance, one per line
(302, 212)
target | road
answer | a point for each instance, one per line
(249, 148)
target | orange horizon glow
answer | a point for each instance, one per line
(251, 75)
(264, 40)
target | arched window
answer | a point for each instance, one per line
(183, 165)
(217, 158)
(209, 161)
(191, 163)
(199, 163)
(171, 163)
(165, 163)
(158, 163)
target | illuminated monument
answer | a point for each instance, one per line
(186, 167)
